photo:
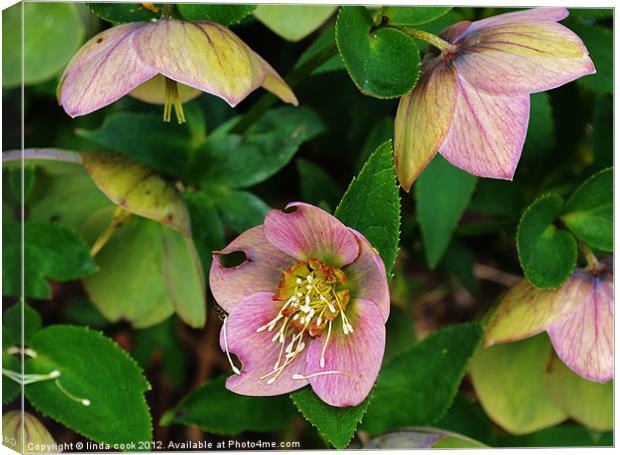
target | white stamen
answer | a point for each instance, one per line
(299, 281)
(331, 307)
(320, 373)
(329, 332)
(234, 368)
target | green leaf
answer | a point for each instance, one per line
(589, 403)
(442, 193)
(336, 425)
(51, 251)
(52, 34)
(144, 137)
(540, 133)
(589, 212)
(317, 185)
(547, 254)
(223, 14)
(589, 13)
(400, 333)
(95, 368)
(383, 63)
(12, 324)
(242, 210)
(459, 262)
(417, 387)
(325, 39)
(408, 16)
(509, 382)
(293, 22)
(240, 161)
(117, 13)
(139, 277)
(599, 42)
(371, 204)
(217, 410)
(569, 435)
(10, 388)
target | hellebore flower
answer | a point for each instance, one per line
(472, 102)
(578, 317)
(165, 62)
(308, 306)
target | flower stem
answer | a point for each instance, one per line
(121, 216)
(294, 78)
(166, 10)
(594, 266)
(433, 40)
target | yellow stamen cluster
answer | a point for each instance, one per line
(171, 97)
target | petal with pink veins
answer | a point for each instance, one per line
(367, 277)
(311, 233)
(105, 69)
(261, 271)
(423, 120)
(585, 339)
(256, 351)
(352, 361)
(522, 58)
(528, 15)
(487, 132)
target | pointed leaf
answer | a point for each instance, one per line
(293, 22)
(222, 14)
(117, 13)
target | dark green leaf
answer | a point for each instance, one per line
(371, 204)
(10, 388)
(589, 212)
(293, 22)
(242, 210)
(602, 134)
(589, 13)
(417, 387)
(547, 254)
(381, 131)
(442, 193)
(459, 262)
(51, 252)
(52, 34)
(383, 63)
(217, 410)
(91, 367)
(223, 14)
(82, 311)
(239, 161)
(599, 41)
(336, 425)
(118, 13)
(467, 417)
(407, 16)
(540, 133)
(326, 39)
(12, 324)
(496, 197)
(317, 185)
(400, 333)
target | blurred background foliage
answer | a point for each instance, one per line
(457, 253)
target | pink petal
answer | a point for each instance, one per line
(203, 55)
(262, 271)
(311, 233)
(455, 31)
(487, 132)
(529, 15)
(357, 357)
(367, 277)
(257, 353)
(522, 58)
(102, 71)
(585, 339)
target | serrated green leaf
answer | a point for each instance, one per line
(223, 14)
(293, 22)
(589, 403)
(317, 185)
(336, 425)
(442, 193)
(91, 367)
(509, 382)
(217, 410)
(371, 204)
(589, 211)
(51, 251)
(117, 13)
(547, 254)
(239, 161)
(242, 210)
(52, 34)
(384, 63)
(12, 324)
(406, 16)
(417, 387)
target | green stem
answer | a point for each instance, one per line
(594, 266)
(294, 78)
(167, 11)
(433, 40)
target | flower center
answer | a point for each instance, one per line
(172, 98)
(312, 295)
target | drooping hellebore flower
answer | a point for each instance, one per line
(165, 62)
(472, 101)
(578, 317)
(308, 306)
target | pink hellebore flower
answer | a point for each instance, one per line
(578, 317)
(165, 62)
(472, 101)
(308, 306)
